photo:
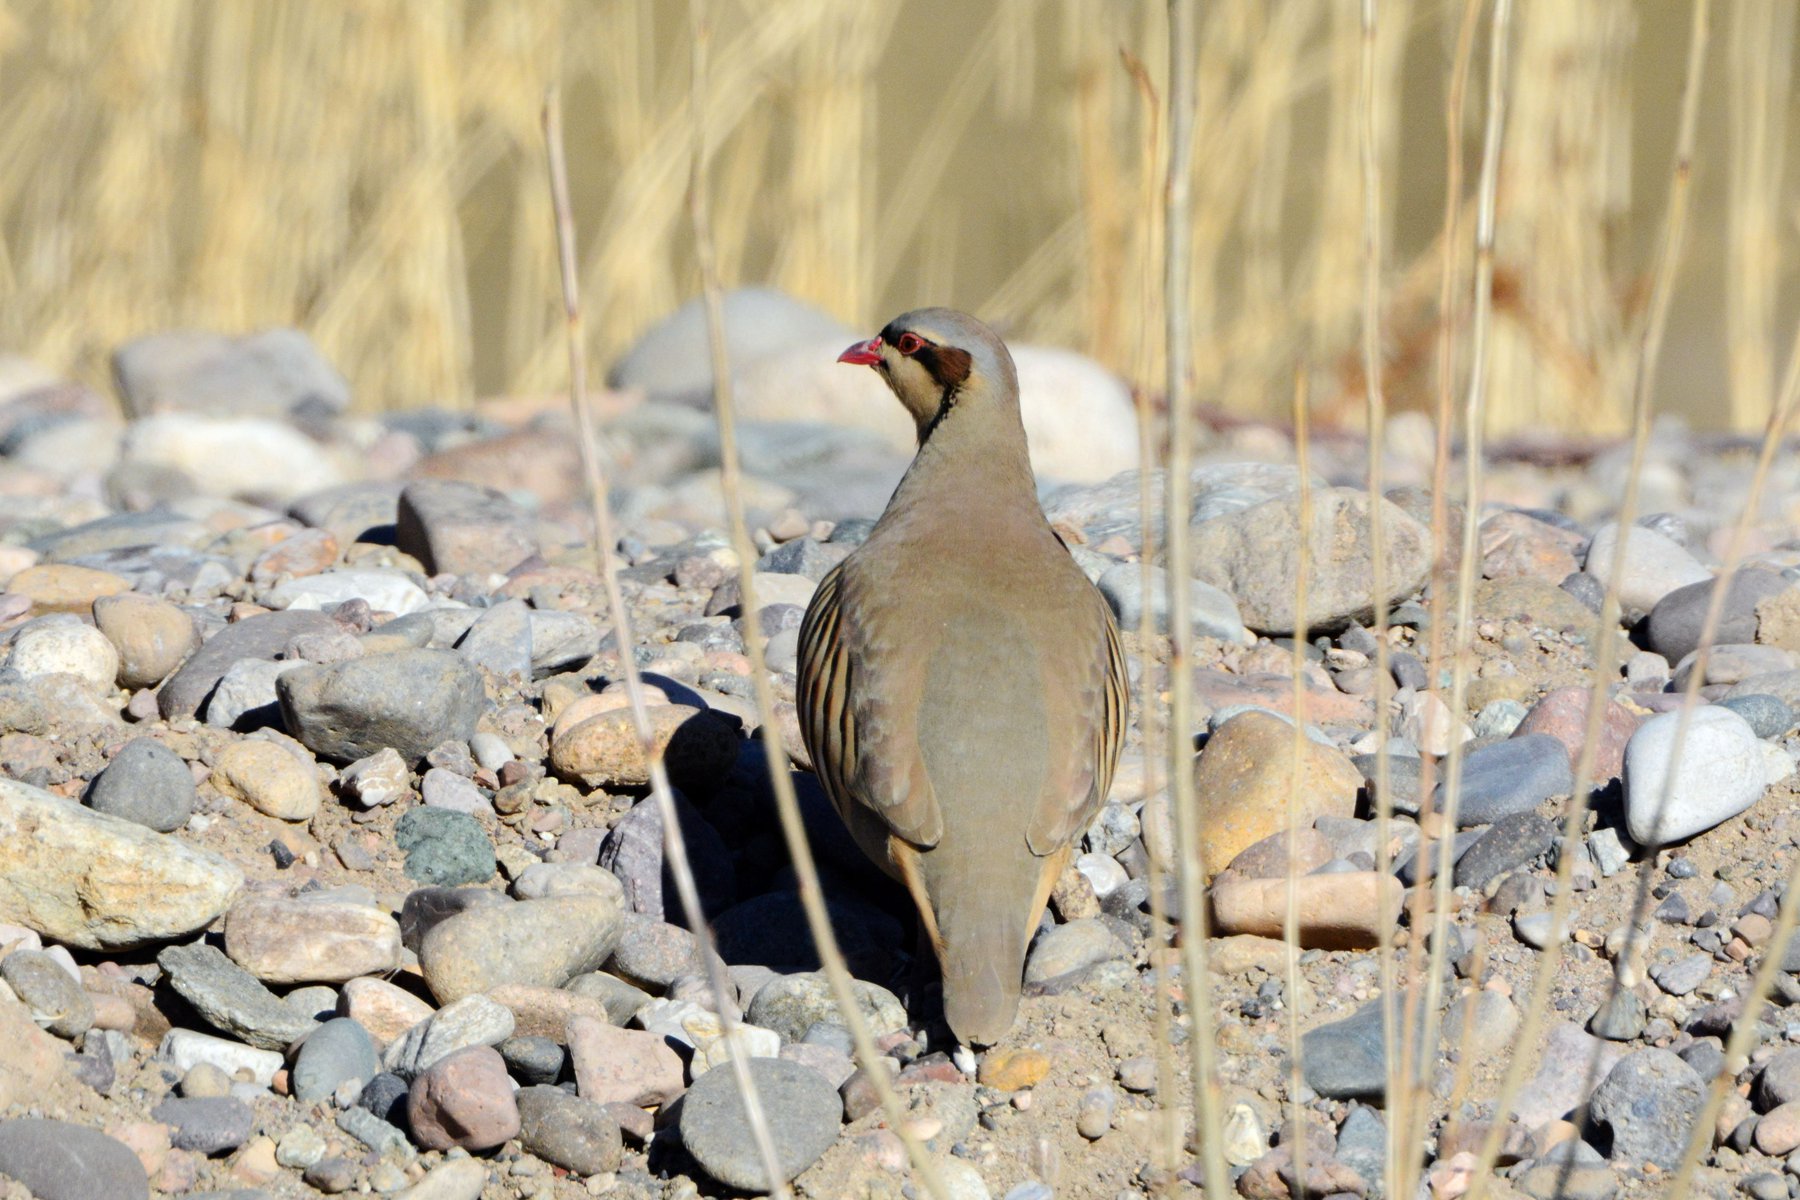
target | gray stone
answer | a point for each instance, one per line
(444, 847)
(654, 953)
(803, 556)
(274, 373)
(123, 531)
(1620, 1018)
(1768, 716)
(448, 790)
(146, 783)
(793, 1004)
(1674, 625)
(500, 639)
(55, 998)
(265, 635)
(231, 998)
(1347, 1059)
(716, 1132)
(561, 641)
(566, 1131)
(352, 512)
(245, 699)
(1574, 1062)
(1211, 612)
(1512, 776)
(462, 529)
(1653, 566)
(1650, 1101)
(1779, 1082)
(671, 362)
(1607, 851)
(533, 1060)
(1254, 556)
(472, 1021)
(1403, 779)
(375, 1133)
(61, 1161)
(208, 1125)
(1061, 955)
(1509, 843)
(336, 1052)
(385, 1095)
(622, 1000)
(1721, 771)
(411, 700)
(1680, 976)
(1362, 1145)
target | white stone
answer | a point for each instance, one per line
(1654, 565)
(184, 1049)
(248, 684)
(1778, 764)
(1720, 772)
(386, 591)
(457, 1179)
(1103, 873)
(233, 456)
(64, 645)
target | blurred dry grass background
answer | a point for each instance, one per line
(373, 173)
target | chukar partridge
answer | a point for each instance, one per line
(962, 688)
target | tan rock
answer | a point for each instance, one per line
(1778, 620)
(604, 751)
(1243, 779)
(1015, 1069)
(302, 940)
(384, 1009)
(268, 777)
(1240, 952)
(545, 1011)
(1778, 1132)
(1279, 853)
(307, 552)
(1345, 911)
(624, 1066)
(152, 636)
(100, 882)
(62, 587)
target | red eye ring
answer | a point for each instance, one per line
(909, 343)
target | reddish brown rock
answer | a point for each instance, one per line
(1563, 715)
(625, 1066)
(463, 1099)
(305, 553)
(1515, 546)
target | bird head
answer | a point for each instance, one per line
(937, 360)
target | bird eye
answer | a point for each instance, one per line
(909, 343)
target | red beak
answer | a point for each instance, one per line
(864, 354)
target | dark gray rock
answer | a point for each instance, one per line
(1362, 1145)
(444, 848)
(654, 953)
(1509, 844)
(804, 556)
(1511, 776)
(1403, 780)
(207, 1125)
(715, 1131)
(1674, 625)
(633, 851)
(61, 1161)
(231, 999)
(533, 1060)
(146, 782)
(462, 529)
(1347, 1059)
(1769, 716)
(265, 635)
(1411, 870)
(1649, 1101)
(1680, 976)
(426, 906)
(336, 1052)
(411, 700)
(771, 931)
(385, 1096)
(565, 1131)
(271, 373)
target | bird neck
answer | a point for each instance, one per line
(977, 441)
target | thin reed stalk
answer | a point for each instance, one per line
(1606, 638)
(812, 897)
(1290, 912)
(1177, 283)
(674, 844)
(1410, 1109)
